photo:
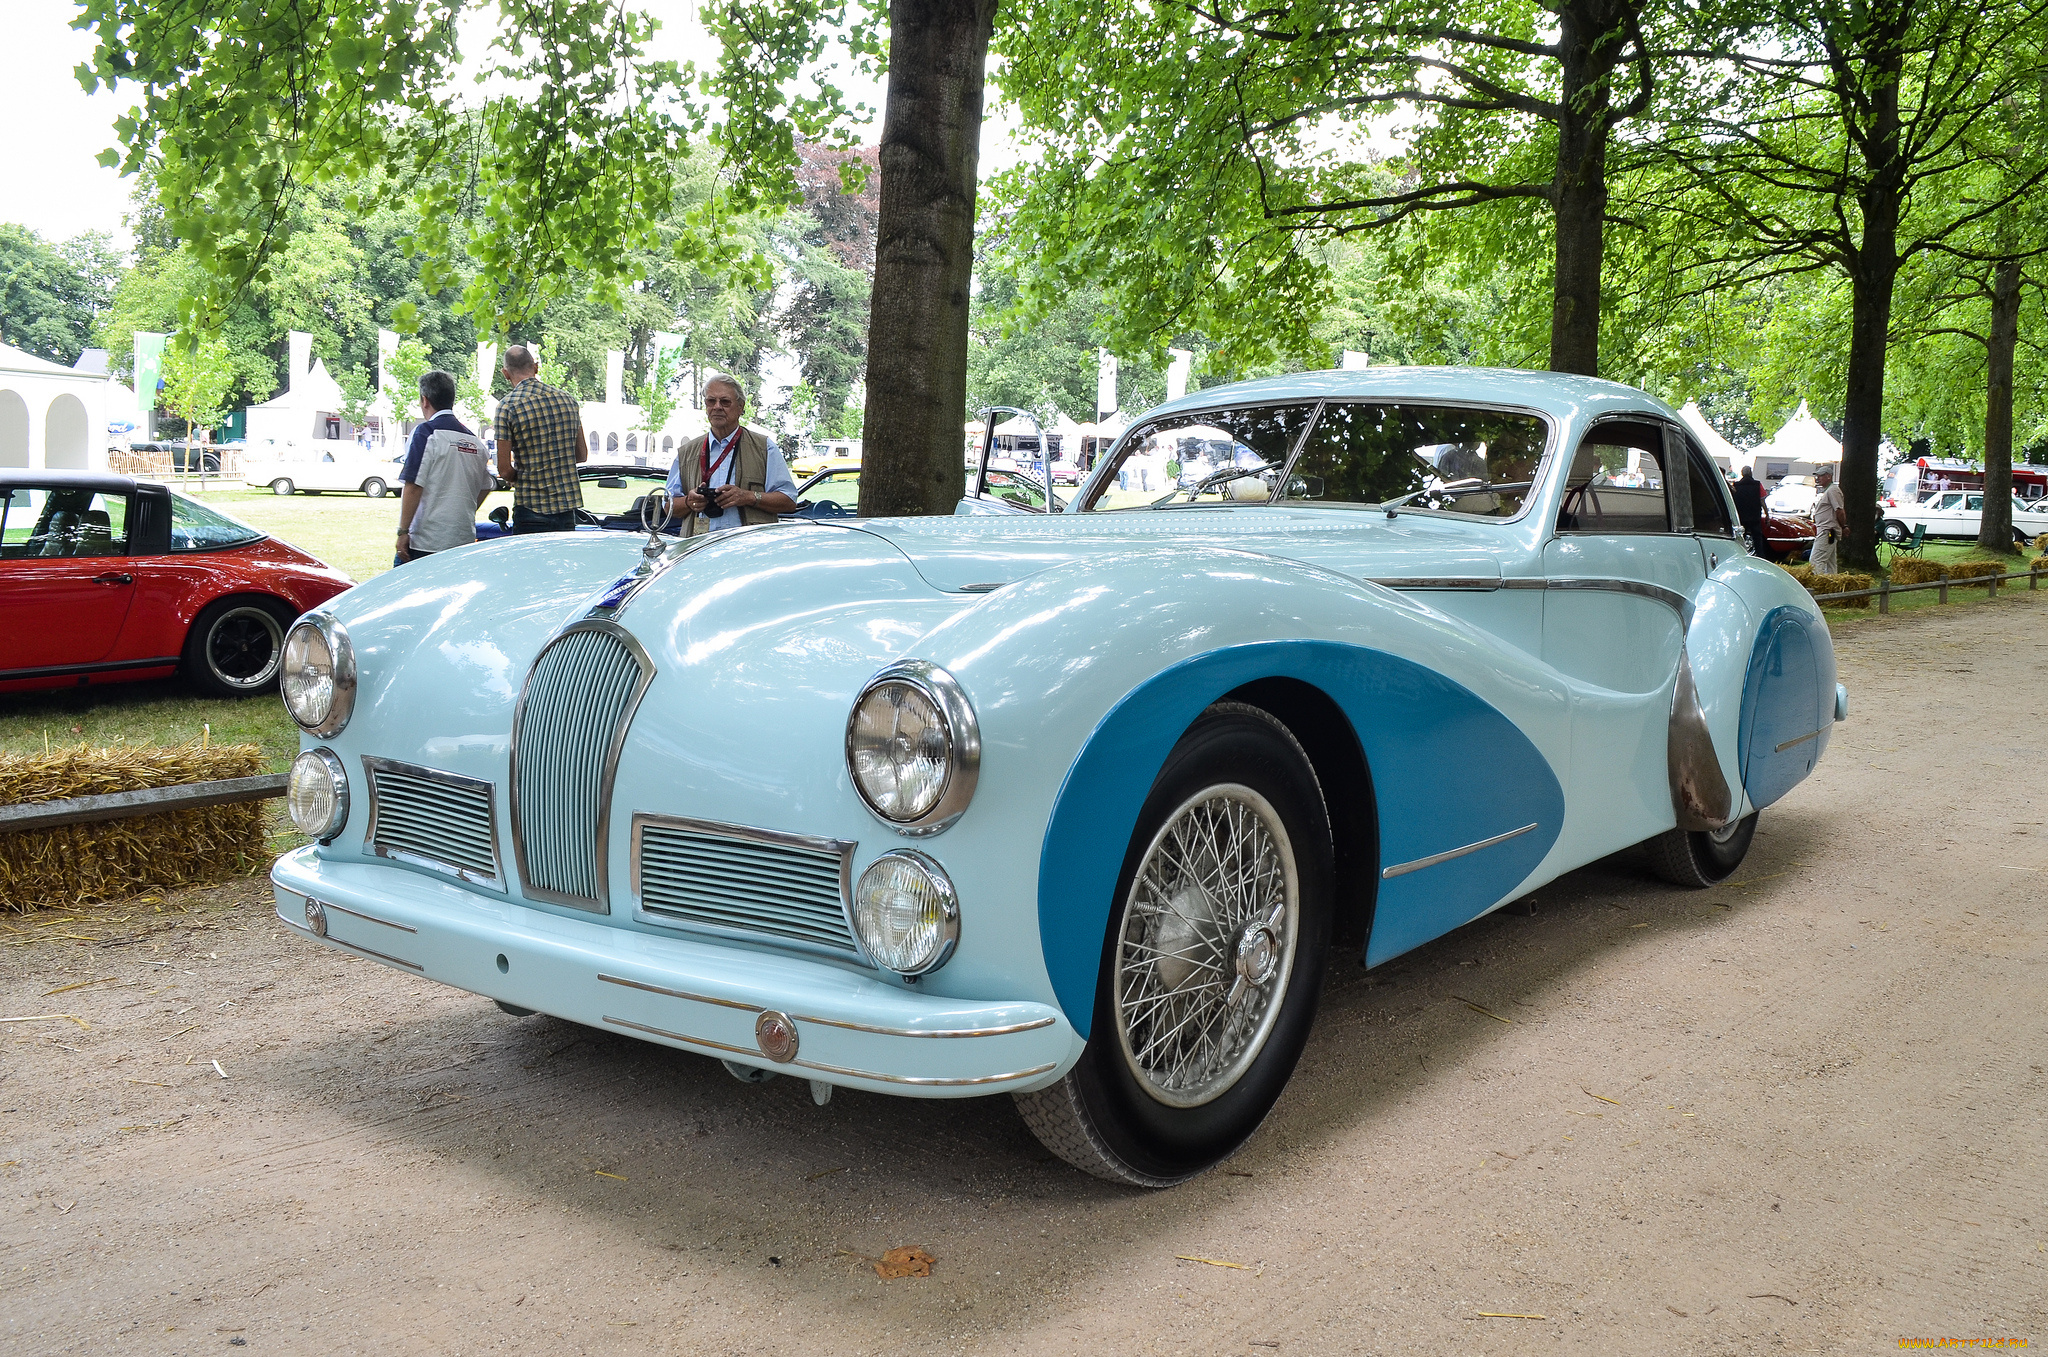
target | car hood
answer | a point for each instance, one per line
(973, 555)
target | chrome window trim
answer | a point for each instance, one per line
(754, 1053)
(963, 745)
(1315, 414)
(775, 838)
(1484, 584)
(343, 654)
(373, 765)
(606, 777)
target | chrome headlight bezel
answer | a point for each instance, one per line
(963, 744)
(326, 765)
(949, 911)
(342, 672)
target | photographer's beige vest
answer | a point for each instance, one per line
(752, 475)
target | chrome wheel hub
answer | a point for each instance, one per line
(1207, 945)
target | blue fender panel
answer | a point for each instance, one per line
(1786, 710)
(1447, 770)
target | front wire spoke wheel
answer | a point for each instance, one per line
(1207, 945)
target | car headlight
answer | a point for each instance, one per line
(913, 747)
(905, 913)
(316, 794)
(318, 679)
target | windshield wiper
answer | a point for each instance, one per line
(1216, 478)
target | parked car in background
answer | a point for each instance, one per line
(1959, 513)
(1069, 806)
(1793, 495)
(371, 474)
(107, 578)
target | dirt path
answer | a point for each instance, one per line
(1800, 1113)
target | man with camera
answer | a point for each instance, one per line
(732, 475)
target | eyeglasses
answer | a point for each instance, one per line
(720, 400)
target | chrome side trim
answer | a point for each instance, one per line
(1004, 1031)
(349, 946)
(372, 765)
(1403, 868)
(1810, 735)
(607, 776)
(1700, 796)
(1656, 593)
(842, 848)
(370, 918)
(914, 1080)
(1485, 584)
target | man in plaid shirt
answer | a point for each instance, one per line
(540, 441)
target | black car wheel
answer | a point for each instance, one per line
(235, 646)
(281, 486)
(374, 488)
(1895, 532)
(1212, 965)
(1696, 858)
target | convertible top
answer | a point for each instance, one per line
(104, 481)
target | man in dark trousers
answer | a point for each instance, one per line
(540, 441)
(1749, 507)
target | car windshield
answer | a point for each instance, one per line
(198, 527)
(1204, 457)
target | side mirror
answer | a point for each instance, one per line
(502, 516)
(1305, 487)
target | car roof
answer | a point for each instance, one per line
(104, 481)
(1558, 393)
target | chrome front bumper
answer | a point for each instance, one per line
(696, 995)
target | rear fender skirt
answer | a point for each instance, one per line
(1788, 704)
(1468, 806)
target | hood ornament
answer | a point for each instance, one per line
(653, 513)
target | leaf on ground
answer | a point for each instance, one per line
(906, 1261)
(1213, 1262)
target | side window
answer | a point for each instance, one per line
(1187, 458)
(1616, 482)
(62, 522)
(1975, 504)
(1709, 496)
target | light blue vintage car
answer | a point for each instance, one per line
(1071, 806)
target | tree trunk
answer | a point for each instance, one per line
(912, 435)
(1994, 532)
(1873, 272)
(1589, 38)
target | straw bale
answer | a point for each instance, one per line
(2041, 542)
(78, 863)
(2040, 562)
(1833, 584)
(1977, 570)
(1917, 570)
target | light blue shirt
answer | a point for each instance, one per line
(778, 479)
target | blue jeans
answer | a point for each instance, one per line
(526, 520)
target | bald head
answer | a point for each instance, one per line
(520, 362)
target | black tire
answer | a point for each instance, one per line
(281, 486)
(1895, 532)
(513, 1009)
(235, 646)
(1694, 859)
(309, 492)
(374, 488)
(1118, 1117)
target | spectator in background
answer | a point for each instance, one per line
(732, 475)
(540, 442)
(446, 476)
(1749, 507)
(1829, 518)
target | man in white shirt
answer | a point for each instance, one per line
(446, 476)
(1829, 517)
(733, 475)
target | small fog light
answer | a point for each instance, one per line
(316, 794)
(906, 913)
(776, 1036)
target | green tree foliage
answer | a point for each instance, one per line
(196, 382)
(50, 294)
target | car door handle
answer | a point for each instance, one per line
(113, 577)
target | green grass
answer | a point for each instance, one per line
(160, 712)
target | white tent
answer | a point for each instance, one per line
(51, 415)
(1800, 448)
(1725, 454)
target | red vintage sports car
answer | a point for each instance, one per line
(106, 579)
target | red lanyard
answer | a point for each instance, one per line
(709, 467)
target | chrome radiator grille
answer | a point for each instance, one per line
(747, 881)
(578, 699)
(434, 819)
